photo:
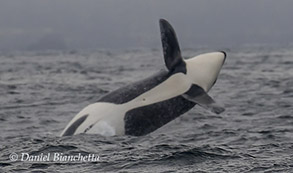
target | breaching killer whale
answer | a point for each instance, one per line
(146, 105)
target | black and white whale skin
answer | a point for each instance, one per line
(146, 105)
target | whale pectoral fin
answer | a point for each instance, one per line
(171, 49)
(197, 95)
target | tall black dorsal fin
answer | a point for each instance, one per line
(171, 49)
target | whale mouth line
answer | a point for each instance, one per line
(225, 56)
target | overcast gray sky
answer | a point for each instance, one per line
(100, 24)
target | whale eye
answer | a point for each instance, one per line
(143, 99)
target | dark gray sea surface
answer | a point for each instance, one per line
(40, 92)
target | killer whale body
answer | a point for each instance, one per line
(143, 120)
(146, 105)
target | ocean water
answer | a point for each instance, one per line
(40, 92)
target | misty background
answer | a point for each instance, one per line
(126, 24)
